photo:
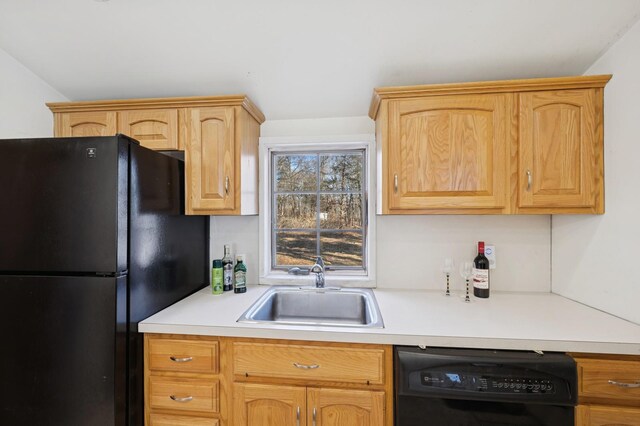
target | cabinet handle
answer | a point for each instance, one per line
(298, 417)
(528, 180)
(306, 367)
(226, 185)
(395, 184)
(314, 416)
(625, 385)
(187, 359)
(185, 399)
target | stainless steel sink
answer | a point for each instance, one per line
(341, 307)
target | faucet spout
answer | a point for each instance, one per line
(318, 269)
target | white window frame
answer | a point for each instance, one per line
(342, 278)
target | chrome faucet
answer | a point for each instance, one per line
(318, 269)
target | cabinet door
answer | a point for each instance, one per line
(338, 407)
(449, 152)
(78, 124)
(268, 405)
(560, 150)
(599, 415)
(210, 160)
(154, 129)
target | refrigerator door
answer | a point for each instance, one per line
(64, 205)
(63, 351)
(168, 252)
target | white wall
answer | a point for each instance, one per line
(595, 258)
(411, 249)
(22, 101)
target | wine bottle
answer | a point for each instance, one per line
(216, 276)
(240, 275)
(480, 273)
(227, 267)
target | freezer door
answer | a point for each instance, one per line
(64, 204)
(63, 357)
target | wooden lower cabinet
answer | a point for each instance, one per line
(223, 381)
(602, 415)
(608, 390)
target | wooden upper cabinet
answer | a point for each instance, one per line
(87, 123)
(268, 405)
(516, 146)
(219, 135)
(154, 129)
(338, 407)
(560, 148)
(449, 152)
(211, 154)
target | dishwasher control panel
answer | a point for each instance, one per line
(486, 383)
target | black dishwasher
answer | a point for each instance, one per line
(471, 387)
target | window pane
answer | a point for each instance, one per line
(296, 173)
(341, 248)
(341, 172)
(295, 248)
(341, 211)
(296, 211)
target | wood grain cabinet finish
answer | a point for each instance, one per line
(85, 123)
(268, 405)
(499, 147)
(560, 149)
(154, 129)
(267, 382)
(449, 152)
(608, 390)
(219, 135)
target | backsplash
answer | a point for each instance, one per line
(411, 249)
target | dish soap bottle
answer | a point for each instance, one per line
(240, 275)
(216, 276)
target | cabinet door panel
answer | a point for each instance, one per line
(597, 415)
(338, 407)
(79, 124)
(268, 405)
(154, 129)
(559, 149)
(209, 160)
(449, 152)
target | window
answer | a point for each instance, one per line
(318, 207)
(315, 201)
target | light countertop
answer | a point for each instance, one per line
(521, 321)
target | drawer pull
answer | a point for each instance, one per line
(185, 399)
(625, 385)
(306, 367)
(186, 359)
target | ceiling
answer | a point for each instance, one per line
(302, 58)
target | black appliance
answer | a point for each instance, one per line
(93, 239)
(468, 387)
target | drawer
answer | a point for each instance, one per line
(313, 363)
(594, 376)
(173, 393)
(188, 356)
(599, 415)
(167, 420)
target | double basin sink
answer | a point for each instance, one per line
(330, 306)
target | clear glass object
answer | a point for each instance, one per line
(447, 269)
(465, 272)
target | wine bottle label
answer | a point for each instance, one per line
(240, 279)
(480, 278)
(228, 277)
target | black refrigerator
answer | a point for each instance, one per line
(93, 239)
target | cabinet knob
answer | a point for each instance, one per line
(528, 180)
(186, 359)
(178, 399)
(298, 417)
(226, 185)
(314, 416)
(624, 385)
(395, 183)
(306, 367)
